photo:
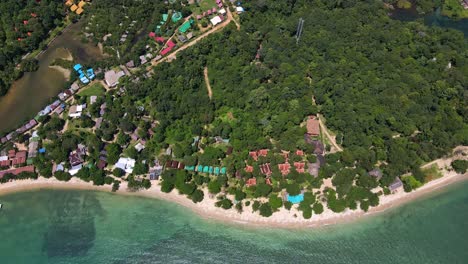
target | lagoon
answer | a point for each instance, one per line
(58, 226)
(32, 92)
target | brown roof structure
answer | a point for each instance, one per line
(17, 171)
(313, 126)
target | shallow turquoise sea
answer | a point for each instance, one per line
(52, 226)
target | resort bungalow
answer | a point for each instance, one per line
(112, 77)
(396, 186)
(240, 10)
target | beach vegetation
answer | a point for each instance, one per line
(318, 208)
(460, 166)
(214, 187)
(197, 196)
(62, 176)
(224, 203)
(265, 210)
(275, 202)
(115, 186)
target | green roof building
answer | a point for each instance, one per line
(216, 171)
(211, 170)
(165, 17)
(190, 168)
(223, 170)
(206, 169)
(186, 26)
(200, 168)
(176, 17)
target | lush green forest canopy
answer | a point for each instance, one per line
(24, 25)
(383, 85)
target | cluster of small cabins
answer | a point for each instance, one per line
(77, 8)
(85, 77)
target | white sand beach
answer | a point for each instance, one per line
(207, 210)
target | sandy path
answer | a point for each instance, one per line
(207, 81)
(327, 134)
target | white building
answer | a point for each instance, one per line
(215, 20)
(126, 164)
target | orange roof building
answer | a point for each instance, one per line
(313, 126)
(79, 11)
(251, 182)
(81, 3)
(73, 8)
(69, 3)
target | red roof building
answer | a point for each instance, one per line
(17, 171)
(11, 154)
(5, 163)
(249, 169)
(265, 169)
(152, 34)
(20, 158)
(299, 152)
(263, 152)
(299, 166)
(254, 155)
(251, 182)
(284, 168)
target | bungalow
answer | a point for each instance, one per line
(376, 173)
(313, 126)
(75, 158)
(130, 64)
(396, 186)
(186, 26)
(222, 11)
(263, 152)
(215, 20)
(76, 110)
(139, 147)
(103, 109)
(251, 182)
(125, 164)
(254, 155)
(284, 168)
(240, 9)
(299, 167)
(112, 77)
(249, 169)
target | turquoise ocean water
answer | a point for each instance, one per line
(52, 226)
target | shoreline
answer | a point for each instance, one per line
(206, 209)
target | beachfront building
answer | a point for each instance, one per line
(396, 186)
(112, 77)
(125, 164)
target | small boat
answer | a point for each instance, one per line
(1, 206)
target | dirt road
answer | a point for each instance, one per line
(207, 81)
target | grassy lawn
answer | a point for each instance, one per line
(432, 173)
(454, 9)
(204, 5)
(95, 89)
